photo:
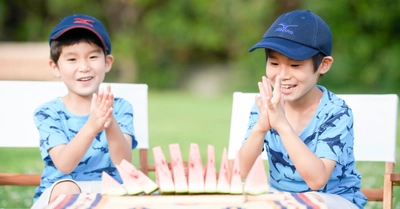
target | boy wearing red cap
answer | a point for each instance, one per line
(305, 129)
(87, 131)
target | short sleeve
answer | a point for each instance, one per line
(49, 125)
(336, 135)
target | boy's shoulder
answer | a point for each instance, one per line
(331, 102)
(49, 105)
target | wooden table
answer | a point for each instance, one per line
(217, 201)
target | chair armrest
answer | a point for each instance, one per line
(395, 179)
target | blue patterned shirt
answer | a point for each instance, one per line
(57, 126)
(329, 135)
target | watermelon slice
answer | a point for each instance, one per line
(210, 176)
(236, 179)
(178, 171)
(110, 186)
(195, 173)
(163, 174)
(224, 177)
(256, 181)
(145, 183)
(131, 186)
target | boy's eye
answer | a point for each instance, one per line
(71, 59)
(273, 63)
(295, 65)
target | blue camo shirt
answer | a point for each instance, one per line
(57, 126)
(329, 135)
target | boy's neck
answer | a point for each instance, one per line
(76, 104)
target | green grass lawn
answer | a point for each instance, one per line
(174, 117)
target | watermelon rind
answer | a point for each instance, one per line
(256, 182)
(178, 170)
(148, 185)
(129, 183)
(210, 176)
(195, 170)
(110, 186)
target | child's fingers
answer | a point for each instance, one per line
(94, 101)
(108, 116)
(277, 91)
(100, 99)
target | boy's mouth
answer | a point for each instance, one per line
(85, 79)
(288, 86)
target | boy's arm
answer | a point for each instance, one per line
(120, 145)
(248, 152)
(255, 140)
(67, 156)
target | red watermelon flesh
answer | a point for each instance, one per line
(163, 174)
(210, 177)
(236, 180)
(224, 177)
(131, 186)
(178, 171)
(256, 181)
(110, 186)
(195, 170)
(144, 181)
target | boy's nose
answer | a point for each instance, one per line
(84, 67)
(285, 73)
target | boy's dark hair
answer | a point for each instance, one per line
(316, 59)
(72, 37)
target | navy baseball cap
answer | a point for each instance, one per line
(85, 22)
(298, 35)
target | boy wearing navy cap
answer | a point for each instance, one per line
(87, 131)
(305, 129)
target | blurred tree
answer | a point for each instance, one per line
(162, 42)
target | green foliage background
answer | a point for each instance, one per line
(163, 42)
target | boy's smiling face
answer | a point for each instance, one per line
(297, 77)
(82, 67)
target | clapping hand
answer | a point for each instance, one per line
(270, 104)
(101, 109)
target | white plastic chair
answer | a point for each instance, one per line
(375, 126)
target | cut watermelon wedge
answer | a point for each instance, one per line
(147, 185)
(163, 174)
(110, 186)
(178, 171)
(195, 173)
(210, 176)
(224, 177)
(130, 184)
(256, 181)
(236, 180)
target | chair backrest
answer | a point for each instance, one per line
(21, 98)
(375, 127)
(375, 124)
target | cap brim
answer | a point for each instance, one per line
(288, 48)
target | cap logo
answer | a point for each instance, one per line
(83, 21)
(284, 28)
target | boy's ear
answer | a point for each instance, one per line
(109, 62)
(54, 69)
(325, 64)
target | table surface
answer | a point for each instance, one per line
(217, 201)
